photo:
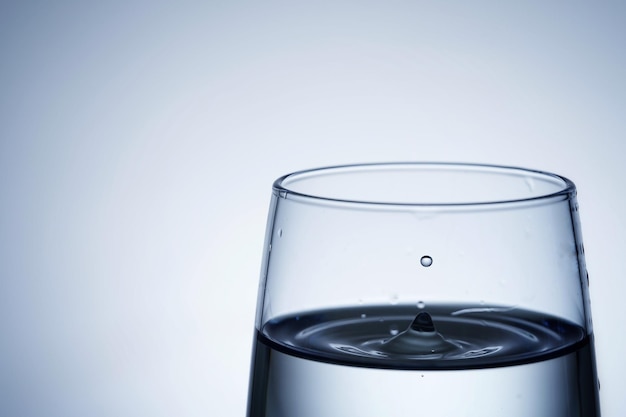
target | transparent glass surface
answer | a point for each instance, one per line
(444, 289)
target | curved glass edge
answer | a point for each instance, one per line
(568, 191)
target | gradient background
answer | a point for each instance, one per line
(139, 141)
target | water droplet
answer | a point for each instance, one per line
(280, 232)
(426, 261)
(363, 316)
(394, 299)
(283, 193)
(421, 305)
(393, 330)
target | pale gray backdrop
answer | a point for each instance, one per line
(139, 141)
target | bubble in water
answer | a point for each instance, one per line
(426, 261)
(280, 232)
(421, 305)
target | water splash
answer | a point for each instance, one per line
(421, 339)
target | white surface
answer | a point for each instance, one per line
(138, 144)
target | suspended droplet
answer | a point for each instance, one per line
(426, 261)
(421, 305)
(363, 316)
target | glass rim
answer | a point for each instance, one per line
(566, 188)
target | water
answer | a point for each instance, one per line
(440, 360)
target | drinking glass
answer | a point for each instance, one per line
(431, 289)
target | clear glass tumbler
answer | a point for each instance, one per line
(423, 288)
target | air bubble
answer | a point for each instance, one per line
(280, 232)
(426, 261)
(393, 330)
(421, 305)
